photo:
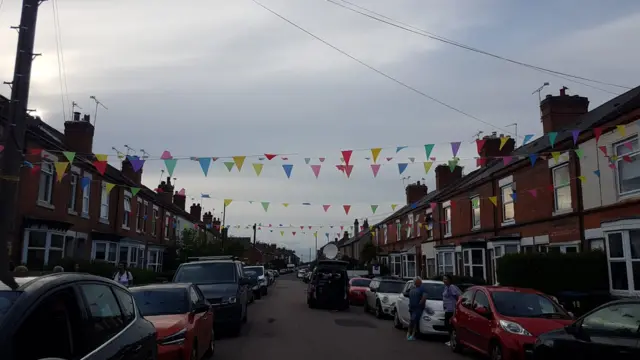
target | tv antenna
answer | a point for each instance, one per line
(538, 91)
(477, 135)
(95, 113)
(129, 148)
(118, 152)
(74, 105)
(145, 154)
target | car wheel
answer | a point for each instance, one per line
(396, 321)
(454, 344)
(212, 345)
(496, 352)
(379, 312)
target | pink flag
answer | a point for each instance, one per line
(346, 154)
(346, 208)
(375, 168)
(321, 159)
(389, 158)
(316, 170)
(294, 233)
(340, 167)
(597, 132)
(301, 227)
(506, 160)
(533, 192)
(326, 207)
(347, 170)
(433, 206)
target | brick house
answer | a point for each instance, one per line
(78, 217)
(538, 208)
(353, 246)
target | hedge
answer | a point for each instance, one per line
(99, 268)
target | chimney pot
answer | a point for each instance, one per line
(446, 177)
(129, 173)
(561, 112)
(87, 118)
(78, 135)
(415, 192)
(76, 116)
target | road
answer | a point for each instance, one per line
(281, 326)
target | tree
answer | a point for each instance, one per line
(368, 253)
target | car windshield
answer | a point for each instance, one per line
(360, 282)
(256, 269)
(528, 305)
(434, 291)
(207, 273)
(152, 302)
(7, 298)
(391, 287)
(251, 273)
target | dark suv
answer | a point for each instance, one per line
(329, 285)
(223, 283)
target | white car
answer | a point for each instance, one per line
(382, 294)
(302, 273)
(432, 319)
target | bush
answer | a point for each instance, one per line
(554, 273)
(100, 268)
(459, 279)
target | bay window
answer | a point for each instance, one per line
(445, 263)
(42, 247)
(474, 263)
(623, 252)
(155, 257)
(409, 266)
(396, 265)
(499, 251)
(105, 251)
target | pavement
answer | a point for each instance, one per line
(281, 326)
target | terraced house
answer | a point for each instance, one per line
(574, 189)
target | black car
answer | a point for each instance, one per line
(611, 331)
(73, 316)
(329, 285)
(224, 285)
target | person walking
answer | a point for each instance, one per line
(450, 296)
(417, 300)
(123, 276)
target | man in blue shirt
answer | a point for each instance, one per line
(417, 299)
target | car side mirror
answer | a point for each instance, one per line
(202, 308)
(573, 329)
(483, 311)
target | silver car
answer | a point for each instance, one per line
(382, 295)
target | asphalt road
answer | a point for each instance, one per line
(281, 326)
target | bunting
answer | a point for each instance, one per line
(239, 161)
(257, 167)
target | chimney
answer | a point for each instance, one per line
(216, 224)
(166, 191)
(129, 173)
(415, 192)
(78, 134)
(561, 112)
(345, 235)
(356, 227)
(446, 177)
(207, 218)
(180, 200)
(366, 224)
(491, 148)
(196, 212)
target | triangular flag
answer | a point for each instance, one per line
(229, 165)
(257, 167)
(285, 204)
(393, 207)
(582, 178)
(239, 161)
(412, 159)
(375, 152)
(527, 138)
(533, 158)
(316, 170)
(402, 167)
(506, 160)
(265, 205)
(321, 159)
(503, 141)
(134, 190)
(110, 187)
(533, 192)
(136, 163)
(287, 169)
(347, 170)
(494, 200)
(281, 233)
(101, 166)
(227, 202)
(307, 160)
(452, 164)
(575, 134)
(84, 182)
(597, 132)
(166, 155)
(400, 148)
(556, 156)
(389, 158)
(294, 233)
(61, 168)
(603, 149)
(375, 168)
(374, 208)
(578, 153)
(204, 164)
(552, 138)
(270, 156)
(346, 155)
(171, 165)
(622, 130)
(326, 207)
(346, 208)
(597, 172)
(427, 166)
(428, 149)
(455, 146)
(70, 155)
(628, 145)
(480, 144)
(514, 196)
(214, 159)
(35, 169)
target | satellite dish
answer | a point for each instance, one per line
(330, 251)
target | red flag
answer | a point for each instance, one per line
(294, 233)
(346, 208)
(348, 169)
(35, 151)
(270, 156)
(101, 166)
(346, 155)
(597, 132)
(480, 144)
(340, 167)
(35, 169)
(603, 149)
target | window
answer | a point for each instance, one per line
(473, 262)
(385, 233)
(475, 212)
(627, 166)
(480, 300)
(498, 252)
(104, 202)
(431, 267)
(418, 225)
(126, 216)
(154, 221)
(86, 195)
(621, 319)
(105, 251)
(623, 250)
(73, 192)
(398, 230)
(396, 266)
(139, 215)
(428, 224)
(508, 212)
(45, 191)
(145, 215)
(447, 220)
(126, 304)
(409, 265)
(446, 264)
(167, 218)
(410, 226)
(155, 260)
(561, 187)
(42, 247)
(105, 317)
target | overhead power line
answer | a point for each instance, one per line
(399, 82)
(415, 30)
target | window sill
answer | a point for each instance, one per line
(45, 205)
(71, 212)
(447, 235)
(508, 222)
(85, 215)
(625, 293)
(124, 227)
(104, 221)
(561, 212)
(475, 228)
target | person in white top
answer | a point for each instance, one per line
(123, 276)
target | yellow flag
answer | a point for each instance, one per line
(110, 187)
(393, 207)
(257, 167)
(494, 200)
(622, 130)
(227, 202)
(375, 152)
(61, 168)
(556, 156)
(281, 233)
(239, 160)
(285, 204)
(427, 166)
(582, 178)
(373, 233)
(503, 141)
(101, 157)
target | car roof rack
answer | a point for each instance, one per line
(208, 258)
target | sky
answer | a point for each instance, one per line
(220, 78)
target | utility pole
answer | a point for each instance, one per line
(14, 134)
(223, 231)
(315, 234)
(255, 227)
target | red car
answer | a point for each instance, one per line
(183, 319)
(357, 289)
(504, 322)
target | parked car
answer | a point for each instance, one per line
(432, 319)
(611, 331)
(263, 280)
(276, 273)
(328, 285)
(357, 289)
(503, 322)
(382, 295)
(182, 317)
(73, 316)
(271, 277)
(222, 281)
(302, 273)
(255, 292)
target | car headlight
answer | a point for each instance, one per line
(514, 328)
(429, 311)
(174, 339)
(385, 299)
(230, 300)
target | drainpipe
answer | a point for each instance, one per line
(573, 159)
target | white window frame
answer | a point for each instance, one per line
(395, 259)
(133, 254)
(47, 247)
(428, 225)
(385, 233)
(139, 209)
(74, 181)
(633, 284)
(494, 257)
(405, 266)
(507, 201)
(154, 220)
(411, 225)
(167, 222)
(108, 245)
(431, 266)
(475, 222)
(556, 187)
(126, 210)
(398, 230)
(104, 203)
(46, 179)
(469, 264)
(446, 215)
(619, 159)
(157, 265)
(86, 196)
(441, 266)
